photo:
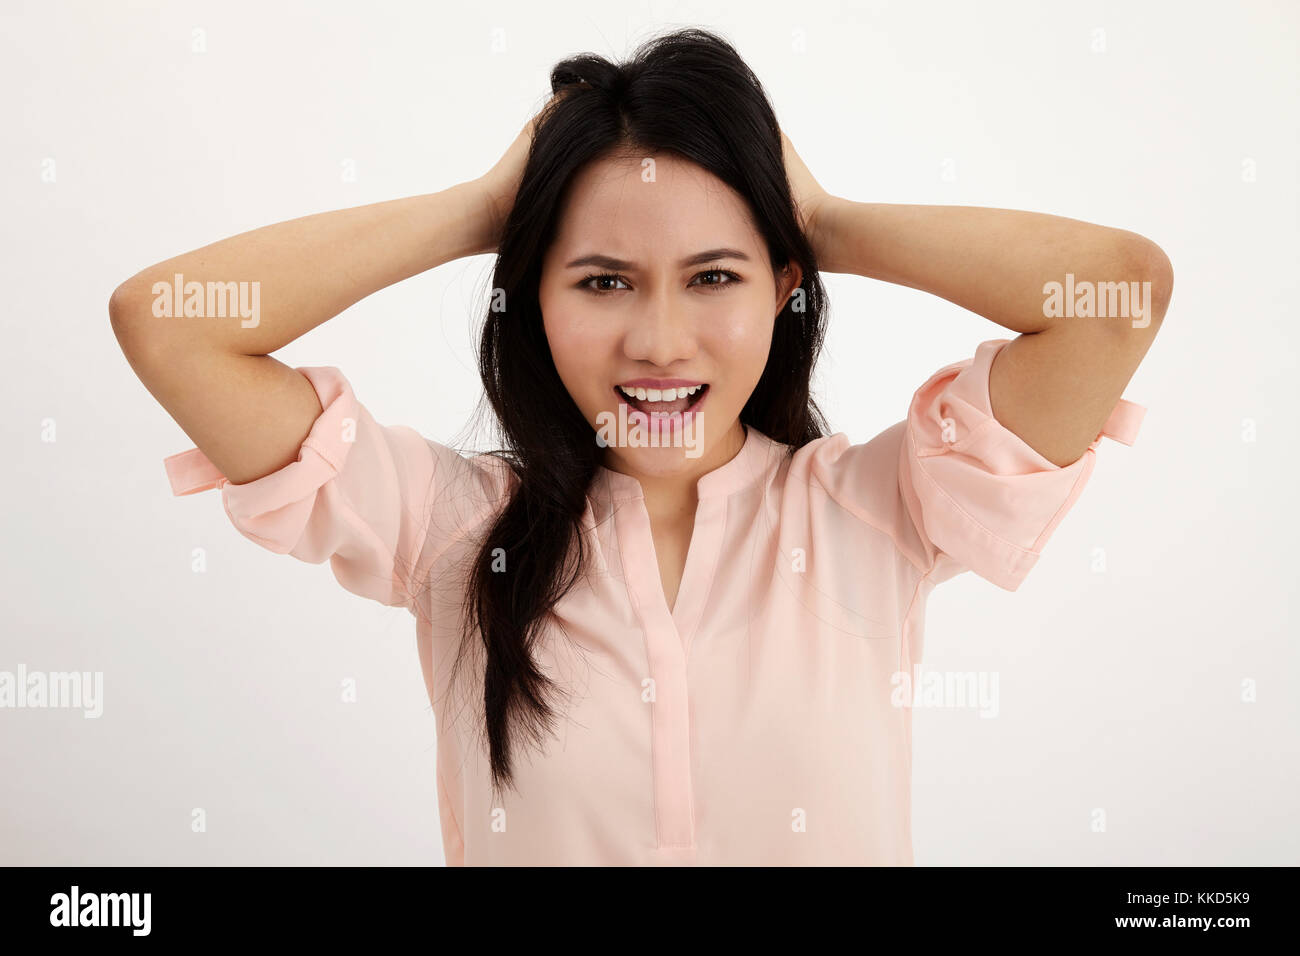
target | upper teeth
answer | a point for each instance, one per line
(659, 394)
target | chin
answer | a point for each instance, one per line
(653, 444)
(659, 462)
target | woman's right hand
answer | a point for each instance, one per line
(246, 411)
(500, 183)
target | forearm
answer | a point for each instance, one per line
(305, 271)
(994, 262)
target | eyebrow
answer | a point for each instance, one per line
(609, 262)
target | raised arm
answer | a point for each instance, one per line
(1059, 282)
(258, 291)
(246, 411)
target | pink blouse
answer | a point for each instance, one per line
(751, 724)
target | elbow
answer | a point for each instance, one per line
(124, 303)
(119, 306)
(130, 302)
(129, 308)
(1149, 265)
(1160, 273)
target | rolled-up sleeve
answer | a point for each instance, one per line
(364, 496)
(979, 496)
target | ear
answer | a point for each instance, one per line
(787, 280)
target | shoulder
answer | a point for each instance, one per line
(859, 482)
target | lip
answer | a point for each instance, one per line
(673, 421)
(661, 383)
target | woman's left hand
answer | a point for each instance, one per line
(809, 196)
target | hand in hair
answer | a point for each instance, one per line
(500, 183)
(809, 196)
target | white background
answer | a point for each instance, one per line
(1120, 690)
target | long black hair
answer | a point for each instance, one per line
(689, 93)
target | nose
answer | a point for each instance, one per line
(661, 333)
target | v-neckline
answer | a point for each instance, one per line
(681, 578)
(639, 556)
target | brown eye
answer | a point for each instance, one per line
(732, 277)
(585, 284)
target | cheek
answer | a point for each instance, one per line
(741, 337)
(580, 347)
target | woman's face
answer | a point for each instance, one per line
(659, 280)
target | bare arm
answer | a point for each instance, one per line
(247, 412)
(1058, 381)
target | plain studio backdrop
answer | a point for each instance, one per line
(1147, 706)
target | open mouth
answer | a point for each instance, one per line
(656, 402)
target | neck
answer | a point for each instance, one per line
(675, 496)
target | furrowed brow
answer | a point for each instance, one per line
(609, 262)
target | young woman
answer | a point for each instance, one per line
(679, 648)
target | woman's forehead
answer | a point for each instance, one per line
(658, 203)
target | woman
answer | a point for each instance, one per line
(664, 623)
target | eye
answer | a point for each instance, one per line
(720, 272)
(585, 286)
